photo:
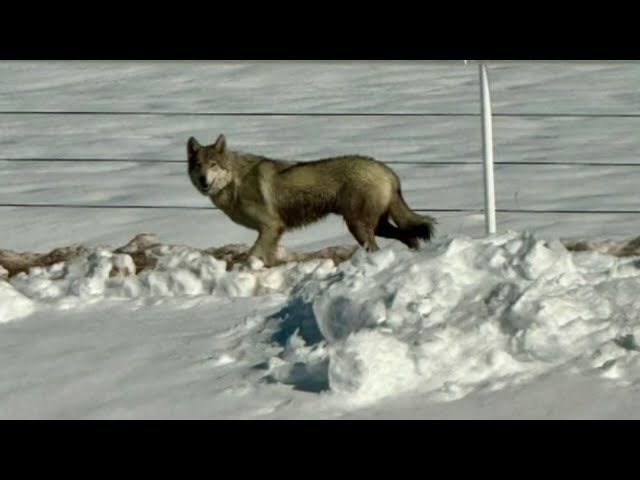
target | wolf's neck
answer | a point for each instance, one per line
(241, 163)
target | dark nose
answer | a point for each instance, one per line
(203, 181)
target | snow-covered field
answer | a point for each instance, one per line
(513, 326)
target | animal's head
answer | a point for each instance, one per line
(208, 165)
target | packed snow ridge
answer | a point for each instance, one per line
(456, 316)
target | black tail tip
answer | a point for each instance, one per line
(426, 230)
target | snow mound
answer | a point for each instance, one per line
(147, 268)
(456, 316)
(13, 304)
(461, 315)
(170, 271)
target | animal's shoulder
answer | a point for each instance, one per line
(277, 166)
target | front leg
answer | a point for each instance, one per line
(266, 246)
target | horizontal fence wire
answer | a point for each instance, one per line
(318, 114)
(396, 162)
(186, 207)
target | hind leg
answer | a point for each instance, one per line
(363, 234)
(386, 230)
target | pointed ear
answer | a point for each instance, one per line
(221, 144)
(192, 146)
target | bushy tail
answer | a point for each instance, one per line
(412, 224)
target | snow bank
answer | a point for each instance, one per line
(13, 304)
(174, 271)
(146, 269)
(463, 314)
(456, 316)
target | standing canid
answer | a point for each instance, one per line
(273, 196)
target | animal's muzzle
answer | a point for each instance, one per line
(202, 182)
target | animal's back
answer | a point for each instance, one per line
(308, 191)
(350, 170)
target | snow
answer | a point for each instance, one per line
(457, 317)
(13, 304)
(516, 325)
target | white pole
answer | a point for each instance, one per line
(487, 151)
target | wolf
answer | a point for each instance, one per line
(275, 196)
